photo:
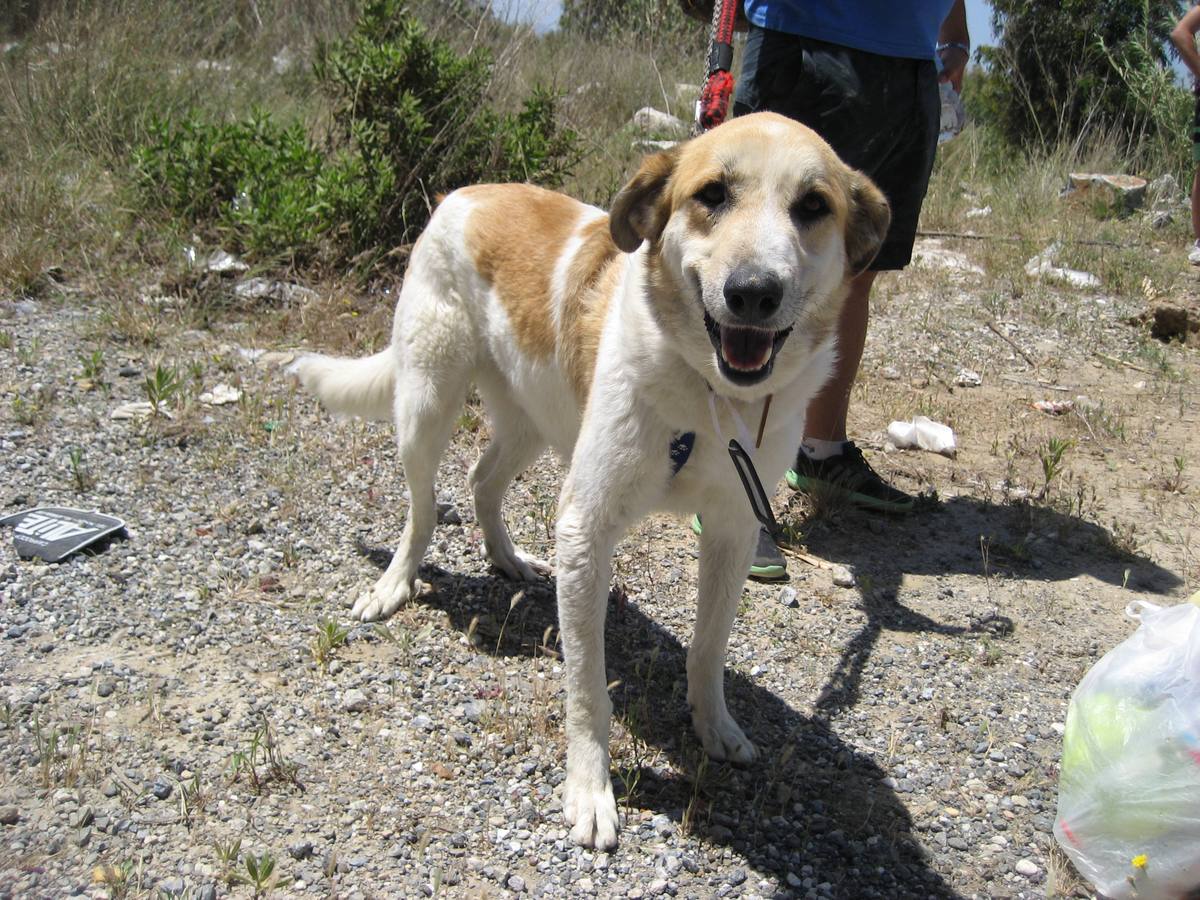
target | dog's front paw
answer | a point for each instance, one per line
(382, 600)
(591, 811)
(724, 739)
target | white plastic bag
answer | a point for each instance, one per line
(925, 433)
(1129, 788)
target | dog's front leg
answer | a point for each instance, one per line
(584, 549)
(726, 550)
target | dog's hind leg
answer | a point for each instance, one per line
(515, 444)
(726, 549)
(426, 406)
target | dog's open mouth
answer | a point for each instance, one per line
(744, 355)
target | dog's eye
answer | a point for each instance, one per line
(712, 194)
(810, 207)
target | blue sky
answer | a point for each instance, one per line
(543, 14)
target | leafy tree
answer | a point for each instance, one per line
(1063, 67)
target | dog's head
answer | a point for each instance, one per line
(754, 228)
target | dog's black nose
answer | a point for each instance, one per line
(753, 293)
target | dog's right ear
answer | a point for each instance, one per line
(641, 210)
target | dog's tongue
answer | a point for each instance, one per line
(746, 349)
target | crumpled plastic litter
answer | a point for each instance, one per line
(925, 434)
(1054, 407)
(221, 395)
(953, 116)
(1129, 785)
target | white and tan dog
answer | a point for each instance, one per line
(716, 281)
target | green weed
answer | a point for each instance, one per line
(259, 870)
(330, 635)
(80, 476)
(1051, 457)
(262, 763)
(161, 387)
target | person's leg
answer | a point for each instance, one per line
(1196, 206)
(1194, 255)
(826, 419)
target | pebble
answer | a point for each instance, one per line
(9, 815)
(1026, 867)
(842, 577)
(354, 700)
(787, 597)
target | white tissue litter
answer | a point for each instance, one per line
(923, 433)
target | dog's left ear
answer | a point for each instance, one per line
(867, 223)
(641, 210)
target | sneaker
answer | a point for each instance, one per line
(1194, 254)
(850, 476)
(768, 564)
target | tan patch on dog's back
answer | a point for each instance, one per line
(515, 236)
(590, 284)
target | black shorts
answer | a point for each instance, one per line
(881, 114)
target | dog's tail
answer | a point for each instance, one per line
(351, 387)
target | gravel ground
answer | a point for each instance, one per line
(194, 693)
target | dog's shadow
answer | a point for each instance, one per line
(811, 810)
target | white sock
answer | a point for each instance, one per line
(817, 450)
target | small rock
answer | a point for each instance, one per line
(9, 815)
(1027, 867)
(842, 577)
(106, 687)
(82, 817)
(448, 514)
(161, 788)
(787, 597)
(172, 887)
(516, 883)
(223, 263)
(662, 825)
(354, 701)
(300, 850)
(653, 121)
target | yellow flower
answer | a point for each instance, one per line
(1139, 861)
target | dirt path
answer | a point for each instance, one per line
(171, 694)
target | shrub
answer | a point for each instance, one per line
(410, 120)
(414, 117)
(252, 180)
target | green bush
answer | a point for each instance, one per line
(253, 180)
(411, 119)
(415, 118)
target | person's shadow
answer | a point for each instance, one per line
(962, 536)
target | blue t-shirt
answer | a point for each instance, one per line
(886, 27)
